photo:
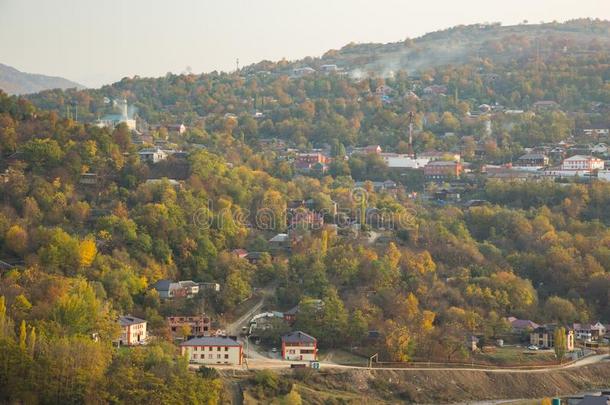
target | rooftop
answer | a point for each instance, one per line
(130, 320)
(581, 157)
(298, 337)
(280, 237)
(162, 285)
(211, 341)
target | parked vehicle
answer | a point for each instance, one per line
(532, 347)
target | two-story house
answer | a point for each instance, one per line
(582, 163)
(133, 331)
(213, 350)
(299, 346)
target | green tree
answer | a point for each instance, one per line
(42, 153)
(560, 343)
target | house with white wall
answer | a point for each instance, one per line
(299, 346)
(133, 331)
(582, 163)
(213, 350)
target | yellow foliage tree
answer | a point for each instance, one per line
(398, 342)
(88, 250)
(393, 255)
(185, 331)
(427, 323)
(22, 336)
(16, 239)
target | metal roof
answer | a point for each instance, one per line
(130, 320)
(211, 341)
(298, 337)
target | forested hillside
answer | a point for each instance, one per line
(465, 44)
(77, 255)
(336, 108)
(542, 252)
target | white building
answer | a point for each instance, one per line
(600, 148)
(596, 131)
(112, 120)
(304, 71)
(180, 289)
(403, 161)
(152, 155)
(582, 163)
(603, 175)
(329, 68)
(212, 350)
(299, 346)
(133, 331)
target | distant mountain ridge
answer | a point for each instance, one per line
(13, 81)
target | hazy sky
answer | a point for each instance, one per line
(100, 41)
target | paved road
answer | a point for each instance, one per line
(234, 328)
(266, 363)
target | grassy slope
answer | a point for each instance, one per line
(437, 387)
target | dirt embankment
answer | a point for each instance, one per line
(437, 387)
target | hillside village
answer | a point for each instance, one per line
(309, 218)
(447, 179)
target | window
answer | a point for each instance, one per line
(226, 356)
(227, 349)
(218, 348)
(218, 356)
(210, 356)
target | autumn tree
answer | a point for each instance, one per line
(17, 239)
(560, 345)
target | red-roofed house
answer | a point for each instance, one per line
(520, 325)
(299, 346)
